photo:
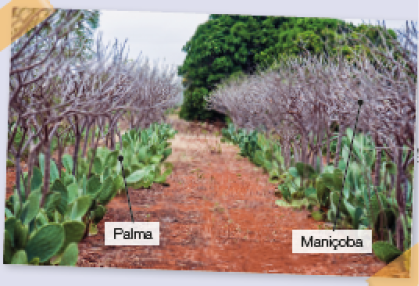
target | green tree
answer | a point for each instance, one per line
(228, 44)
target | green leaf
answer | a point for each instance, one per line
(36, 180)
(142, 155)
(112, 159)
(136, 177)
(54, 174)
(107, 192)
(305, 170)
(385, 252)
(31, 207)
(9, 225)
(20, 235)
(16, 203)
(52, 201)
(355, 214)
(67, 178)
(67, 162)
(156, 159)
(72, 192)
(97, 166)
(20, 257)
(74, 231)
(7, 248)
(98, 214)
(310, 192)
(42, 163)
(79, 207)
(102, 153)
(282, 203)
(93, 186)
(293, 172)
(317, 215)
(41, 218)
(45, 242)
(59, 187)
(70, 255)
(119, 183)
(34, 261)
(285, 192)
(167, 153)
(8, 212)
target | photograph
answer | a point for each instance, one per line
(209, 142)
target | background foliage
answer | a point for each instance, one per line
(228, 45)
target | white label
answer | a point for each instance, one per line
(329, 241)
(128, 233)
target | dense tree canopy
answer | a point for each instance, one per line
(229, 44)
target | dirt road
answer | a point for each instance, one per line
(218, 214)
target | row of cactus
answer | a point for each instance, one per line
(363, 205)
(260, 150)
(47, 232)
(145, 153)
(41, 236)
(70, 210)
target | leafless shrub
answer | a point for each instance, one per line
(55, 91)
(300, 98)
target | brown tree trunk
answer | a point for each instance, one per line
(86, 139)
(112, 135)
(93, 156)
(60, 155)
(320, 149)
(328, 147)
(296, 156)
(377, 168)
(339, 145)
(304, 149)
(76, 152)
(401, 202)
(131, 120)
(17, 164)
(92, 143)
(12, 138)
(17, 176)
(120, 139)
(30, 170)
(47, 167)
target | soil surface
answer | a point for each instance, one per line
(217, 214)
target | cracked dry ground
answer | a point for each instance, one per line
(218, 214)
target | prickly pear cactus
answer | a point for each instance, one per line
(318, 215)
(20, 257)
(70, 255)
(20, 236)
(45, 242)
(74, 231)
(285, 192)
(59, 187)
(385, 252)
(7, 248)
(298, 195)
(98, 214)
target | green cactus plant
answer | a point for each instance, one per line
(385, 251)
(46, 242)
(26, 245)
(318, 215)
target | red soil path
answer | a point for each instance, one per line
(218, 214)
